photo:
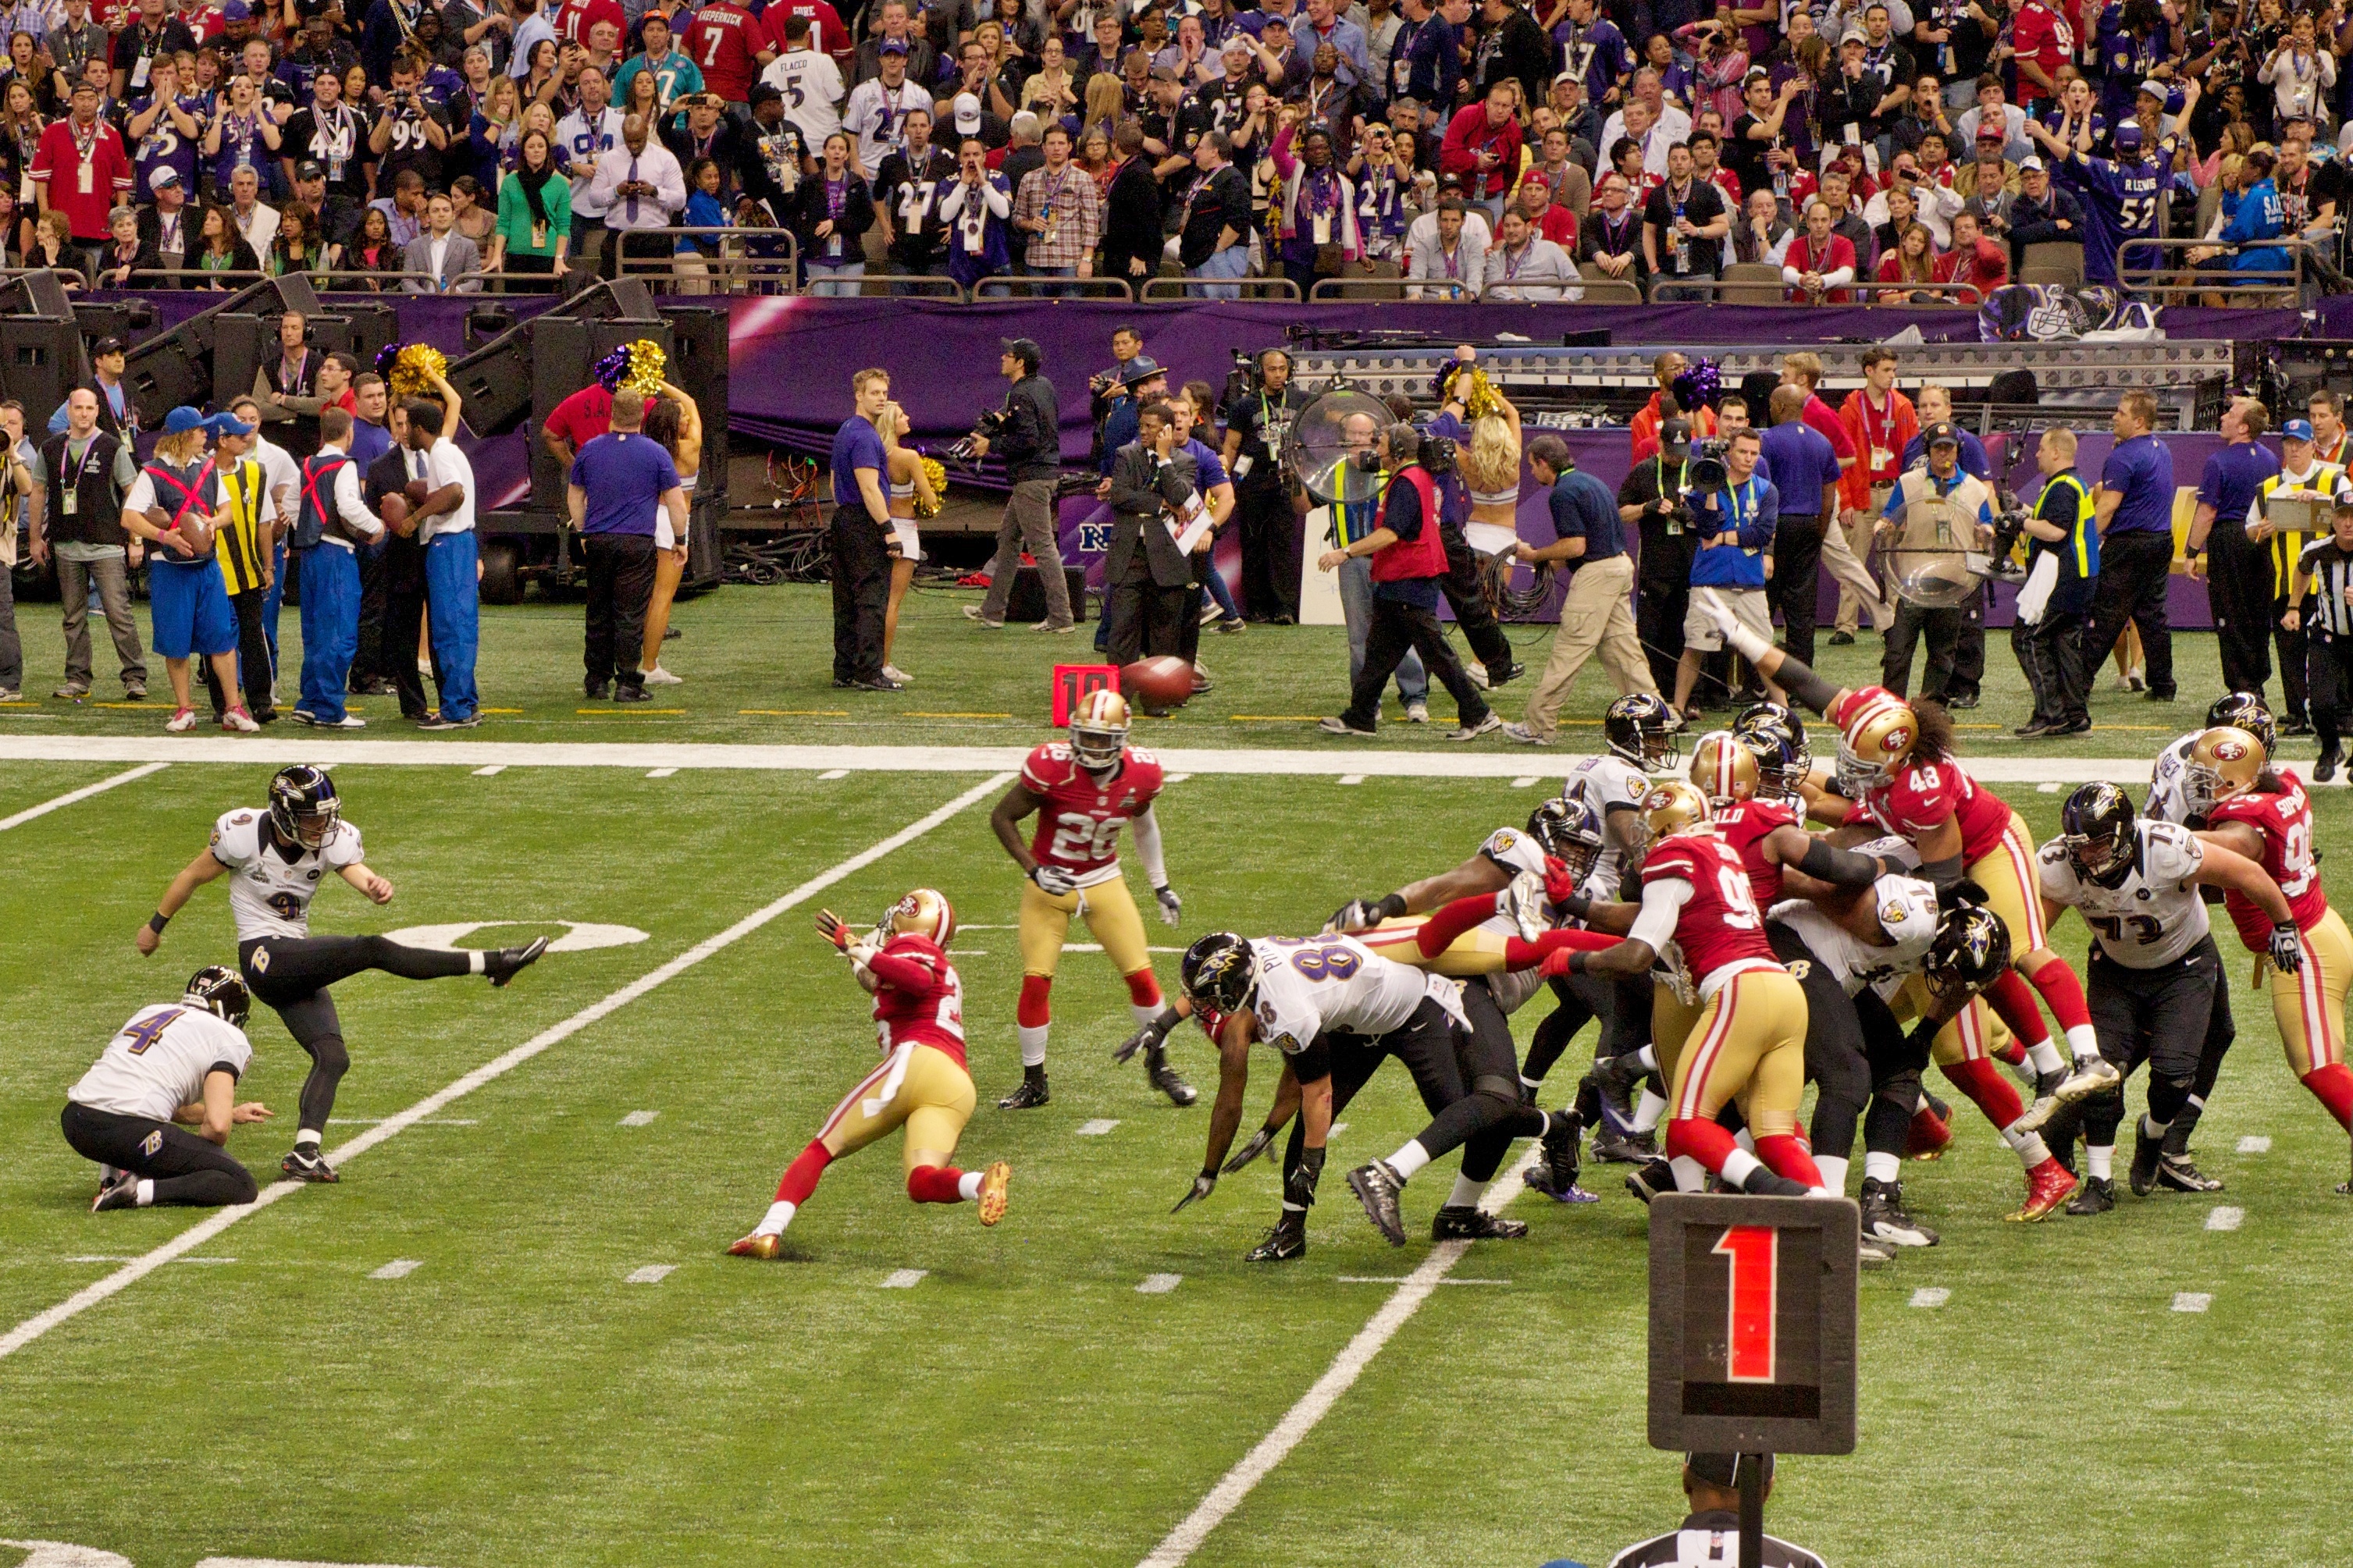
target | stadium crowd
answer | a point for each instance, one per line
(1510, 150)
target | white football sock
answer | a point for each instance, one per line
(1649, 1056)
(1878, 1167)
(1033, 1044)
(1530, 1083)
(1648, 1113)
(1738, 1166)
(1691, 1176)
(780, 1215)
(1143, 1014)
(2083, 1041)
(1833, 1170)
(474, 961)
(968, 1186)
(146, 1192)
(1412, 1157)
(2151, 1127)
(2028, 1146)
(1466, 1194)
(2044, 1056)
(307, 1138)
(2102, 1162)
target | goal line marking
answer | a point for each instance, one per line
(196, 1235)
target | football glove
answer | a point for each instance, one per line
(1203, 1185)
(1172, 907)
(1148, 1038)
(2288, 948)
(831, 927)
(1260, 1141)
(1053, 880)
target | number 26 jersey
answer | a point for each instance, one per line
(1078, 824)
(270, 895)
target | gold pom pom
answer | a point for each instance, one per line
(1478, 395)
(939, 476)
(413, 370)
(649, 367)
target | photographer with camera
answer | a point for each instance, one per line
(1943, 479)
(1257, 420)
(1029, 430)
(1734, 511)
(1652, 499)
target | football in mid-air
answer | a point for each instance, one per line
(1162, 682)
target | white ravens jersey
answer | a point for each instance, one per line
(2154, 915)
(1309, 985)
(158, 1062)
(1515, 852)
(270, 895)
(2169, 799)
(1606, 781)
(1906, 907)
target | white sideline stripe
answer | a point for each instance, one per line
(196, 1235)
(491, 772)
(398, 1269)
(101, 787)
(1931, 1296)
(1402, 1278)
(279, 1562)
(833, 761)
(2192, 1300)
(1316, 1403)
(660, 773)
(1096, 1128)
(2255, 1145)
(2225, 1218)
(1159, 1284)
(639, 1117)
(652, 1274)
(903, 1278)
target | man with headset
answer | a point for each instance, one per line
(1710, 1534)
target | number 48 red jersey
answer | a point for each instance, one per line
(1077, 826)
(1720, 923)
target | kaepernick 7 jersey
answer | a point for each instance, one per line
(1699, 877)
(918, 998)
(2285, 822)
(270, 895)
(1078, 823)
(1923, 795)
(1309, 985)
(2152, 917)
(1745, 826)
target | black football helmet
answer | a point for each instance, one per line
(1970, 950)
(1568, 828)
(219, 992)
(1218, 972)
(1640, 729)
(2245, 710)
(1778, 738)
(304, 806)
(2101, 831)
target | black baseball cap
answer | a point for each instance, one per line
(1940, 435)
(105, 346)
(310, 169)
(1674, 434)
(1725, 1469)
(1024, 348)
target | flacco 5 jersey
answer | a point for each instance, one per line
(1923, 795)
(1077, 826)
(1309, 985)
(921, 998)
(1719, 924)
(2285, 822)
(2154, 915)
(270, 895)
(1604, 782)
(1907, 910)
(1745, 826)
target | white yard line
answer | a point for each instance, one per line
(903, 1278)
(652, 1274)
(196, 1235)
(101, 787)
(831, 762)
(1316, 1403)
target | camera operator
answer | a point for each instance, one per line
(1256, 423)
(1736, 510)
(408, 133)
(1107, 389)
(1651, 499)
(1942, 480)
(1028, 429)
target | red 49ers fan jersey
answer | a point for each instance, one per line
(1925, 793)
(1078, 826)
(920, 1001)
(2285, 822)
(1720, 923)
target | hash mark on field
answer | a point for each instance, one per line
(2048, 787)
(1159, 1284)
(661, 773)
(2192, 1300)
(1096, 1128)
(1172, 779)
(834, 773)
(398, 1269)
(1352, 778)
(2255, 1145)
(101, 787)
(1524, 781)
(903, 1278)
(639, 1117)
(2225, 1218)
(652, 1274)
(490, 771)
(1931, 1296)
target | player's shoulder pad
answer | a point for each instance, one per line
(1143, 772)
(1047, 767)
(1675, 857)
(342, 846)
(236, 838)
(1514, 851)
(2172, 851)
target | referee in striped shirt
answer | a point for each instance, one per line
(1710, 1536)
(2321, 605)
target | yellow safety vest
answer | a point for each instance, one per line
(239, 546)
(2080, 534)
(2328, 479)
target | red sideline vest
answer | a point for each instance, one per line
(1422, 557)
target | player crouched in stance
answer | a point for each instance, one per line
(173, 1066)
(279, 855)
(921, 1085)
(1082, 790)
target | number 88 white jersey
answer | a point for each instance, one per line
(1307, 985)
(270, 895)
(2154, 915)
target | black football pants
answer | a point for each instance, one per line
(290, 976)
(189, 1171)
(2170, 1017)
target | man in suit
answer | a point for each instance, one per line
(403, 565)
(1153, 481)
(439, 257)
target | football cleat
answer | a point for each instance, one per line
(1612, 1147)
(1617, 1077)
(1030, 1092)
(759, 1244)
(1378, 1189)
(1166, 1079)
(1542, 1181)
(2098, 1196)
(1930, 1135)
(1654, 1180)
(1883, 1216)
(2091, 1076)
(1465, 1222)
(506, 962)
(2176, 1174)
(1872, 1253)
(993, 1182)
(2048, 1186)
(1286, 1241)
(2146, 1152)
(308, 1167)
(1523, 900)
(1561, 1149)
(119, 1192)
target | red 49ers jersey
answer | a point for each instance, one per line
(1746, 827)
(928, 1011)
(1077, 826)
(1925, 793)
(2285, 822)
(1720, 923)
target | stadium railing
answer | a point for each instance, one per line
(1746, 290)
(1327, 290)
(2177, 282)
(748, 261)
(1156, 290)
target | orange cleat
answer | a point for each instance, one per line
(759, 1244)
(1931, 1134)
(2048, 1186)
(993, 1182)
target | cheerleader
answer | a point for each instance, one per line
(911, 496)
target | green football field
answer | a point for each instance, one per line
(446, 1360)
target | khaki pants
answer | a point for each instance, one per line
(1845, 550)
(1597, 617)
(1029, 523)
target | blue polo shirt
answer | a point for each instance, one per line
(1802, 461)
(1583, 508)
(2233, 477)
(2142, 471)
(625, 476)
(371, 441)
(857, 444)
